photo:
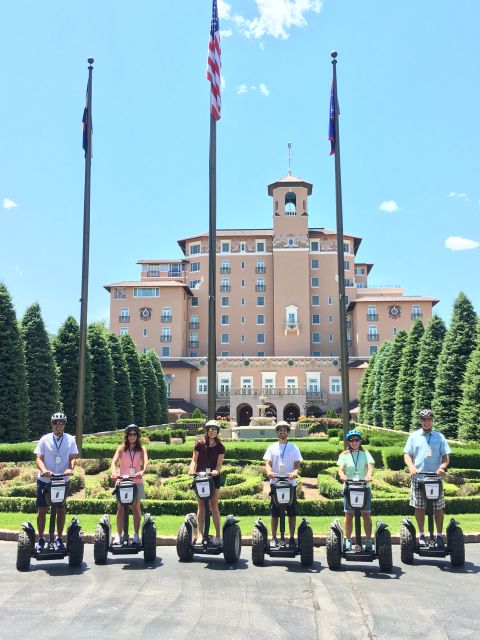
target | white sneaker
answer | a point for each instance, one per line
(136, 539)
(117, 539)
(217, 541)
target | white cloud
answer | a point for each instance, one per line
(224, 10)
(9, 204)
(389, 206)
(223, 82)
(263, 89)
(460, 196)
(242, 89)
(19, 271)
(275, 18)
(457, 243)
(226, 33)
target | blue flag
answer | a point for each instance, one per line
(331, 127)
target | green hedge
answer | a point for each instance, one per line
(459, 459)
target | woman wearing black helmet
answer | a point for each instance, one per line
(130, 460)
(208, 455)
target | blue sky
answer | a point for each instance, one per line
(410, 135)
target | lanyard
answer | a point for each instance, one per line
(282, 453)
(132, 458)
(355, 462)
(429, 438)
(55, 440)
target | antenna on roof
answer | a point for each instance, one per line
(289, 158)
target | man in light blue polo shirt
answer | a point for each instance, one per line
(426, 451)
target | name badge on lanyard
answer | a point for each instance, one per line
(57, 459)
(57, 444)
(132, 460)
(281, 466)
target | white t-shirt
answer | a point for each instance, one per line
(50, 447)
(286, 454)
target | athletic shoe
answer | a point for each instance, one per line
(291, 543)
(117, 539)
(422, 541)
(136, 539)
(217, 541)
(347, 544)
(439, 542)
(274, 543)
(368, 545)
(40, 544)
(59, 546)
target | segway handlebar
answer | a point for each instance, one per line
(363, 482)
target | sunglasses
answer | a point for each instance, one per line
(354, 440)
(58, 422)
(132, 433)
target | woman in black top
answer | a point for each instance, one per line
(208, 455)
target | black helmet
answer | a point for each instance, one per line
(425, 413)
(284, 424)
(133, 427)
(59, 417)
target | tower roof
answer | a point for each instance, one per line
(290, 181)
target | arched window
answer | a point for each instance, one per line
(290, 204)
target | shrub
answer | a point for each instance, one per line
(9, 472)
(92, 466)
(160, 436)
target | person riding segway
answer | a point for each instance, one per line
(282, 461)
(356, 471)
(205, 467)
(55, 460)
(127, 468)
(427, 455)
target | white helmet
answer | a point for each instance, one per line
(59, 417)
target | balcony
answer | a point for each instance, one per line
(174, 274)
(221, 395)
(314, 395)
(373, 337)
(154, 273)
(225, 287)
(349, 282)
(292, 327)
(415, 316)
(225, 270)
(124, 318)
(194, 324)
(372, 316)
(166, 318)
(268, 392)
(260, 270)
(193, 344)
(260, 287)
(165, 338)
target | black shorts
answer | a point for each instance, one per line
(216, 481)
(291, 509)
(41, 494)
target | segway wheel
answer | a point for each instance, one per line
(100, 545)
(258, 547)
(384, 551)
(184, 547)
(232, 544)
(456, 543)
(75, 548)
(407, 545)
(334, 558)
(149, 540)
(306, 547)
(24, 551)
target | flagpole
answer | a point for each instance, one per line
(85, 264)
(212, 251)
(340, 261)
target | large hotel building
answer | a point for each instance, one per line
(276, 311)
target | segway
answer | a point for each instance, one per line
(356, 494)
(126, 493)
(56, 496)
(431, 487)
(231, 544)
(283, 494)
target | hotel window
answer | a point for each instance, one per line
(242, 283)
(225, 268)
(416, 311)
(124, 314)
(359, 271)
(314, 264)
(224, 338)
(224, 354)
(347, 301)
(225, 301)
(317, 354)
(193, 284)
(166, 314)
(145, 333)
(260, 246)
(260, 301)
(165, 352)
(315, 318)
(315, 301)
(315, 282)
(123, 331)
(330, 319)
(335, 384)
(166, 334)
(260, 338)
(260, 354)
(260, 318)
(224, 384)
(225, 246)
(225, 320)
(291, 383)
(193, 354)
(225, 284)
(194, 301)
(242, 338)
(394, 332)
(290, 203)
(242, 301)
(315, 337)
(243, 247)
(373, 349)
(242, 319)
(346, 247)
(260, 285)
(330, 337)
(202, 385)
(346, 265)
(195, 266)
(330, 300)
(313, 382)
(120, 293)
(168, 383)
(314, 245)
(242, 265)
(260, 266)
(146, 292)
(194, 249)
(246, 383)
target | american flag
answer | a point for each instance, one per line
(331, 128)
(86, 138)
(214, 64)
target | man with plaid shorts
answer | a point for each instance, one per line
(426, 451)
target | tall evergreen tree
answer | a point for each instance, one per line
(469, 410)
(377, 398)
(122, 389)
(390, 378)
(104, 414)
(42, 377)
(402, 416)
(368, 400)
(66, 345)
(456, 349)
(162, 385)
(427, 363)
(13, 382)
(150, 388)
(362, 390)
(135, 375)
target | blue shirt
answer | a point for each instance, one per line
(418, 446)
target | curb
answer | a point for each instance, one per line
(170, 541)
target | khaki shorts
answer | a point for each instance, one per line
(418, 500)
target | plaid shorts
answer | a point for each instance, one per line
(418, 500)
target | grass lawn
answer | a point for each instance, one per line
(168, 525)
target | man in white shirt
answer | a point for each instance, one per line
(55, 455)
(283, 458)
